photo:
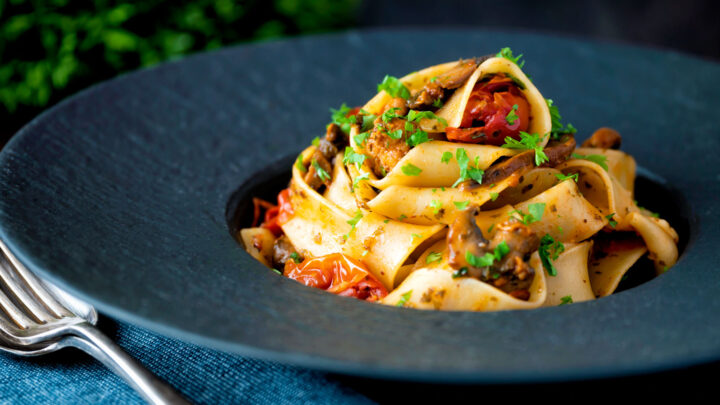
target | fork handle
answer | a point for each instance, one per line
(95, 343)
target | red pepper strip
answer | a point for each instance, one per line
(337, 274)
(275, 215)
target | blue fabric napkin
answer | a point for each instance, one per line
(201, 375)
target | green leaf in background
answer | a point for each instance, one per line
(51, 49)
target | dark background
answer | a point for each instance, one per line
(51, 49)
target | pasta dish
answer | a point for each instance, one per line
(459, 187)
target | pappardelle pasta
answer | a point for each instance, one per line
(458, 187)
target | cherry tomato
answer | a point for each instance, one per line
(277, 215)
(337, 274)
(485, 119)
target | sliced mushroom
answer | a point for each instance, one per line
(605, 138)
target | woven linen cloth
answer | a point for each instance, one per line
(201, 375)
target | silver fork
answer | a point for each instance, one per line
(38, 318)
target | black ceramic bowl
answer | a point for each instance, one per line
(127, 193)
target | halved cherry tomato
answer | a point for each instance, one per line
(485, 118)
(275, 215)
(338, 274)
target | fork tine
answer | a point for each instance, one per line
(14, 313)
(24, 282)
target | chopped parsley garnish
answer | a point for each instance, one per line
(446, 156)
(436, 206)
(488, 259)
(404, 299)
(528, 142)
(461, 205)
(566, 300)
(437, 103)
(401, 217)
(394, 87)
(415, 236)
(460, 273)
(316, 141)
(611, 221)
(324, 176)
(418, 137)
(368, 120)
(396, 134)
(296, 257)
(433, 257)
(352, 157)
(340, 117)
(490, 228)
(466, 170)
(411, 170)
(299, 164)
(599, 159)
(563, 177)
(507, 53)
(385, 221)
(557, 126)
(432, 79)
(415, 116)
(277, 271)
(549, 251)
(389, 115)
(359, 178)
(494, 196)
(361, 138)
(535, 213)
(354, 220)
(511, 117)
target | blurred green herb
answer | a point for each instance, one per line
(51, 49)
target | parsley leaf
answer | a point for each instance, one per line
(417, 138)
(507, 53)
(401, 217)
(299, 164)
(511, 117)
(501, 250)
(361, 138)
(340, 117)
(547, 245)
(557, 127)
(446, 156)
(494, 196)
(324, 176)
(389, 115)
(535, 214)
(436, 206)
(404, 299)
(528, 142)
(467, 171)
(479, 261)
(352, 157)
(415, 116)
(394, 87)
(563, 177)
(437, 103)
(611, 221)
(316, 141)
(599, 159)
(296, 257)
(396, 134)
(359, 178)
(411, 170)
(354, 220)
(566, 300)
(433, 257)
(461, 205)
